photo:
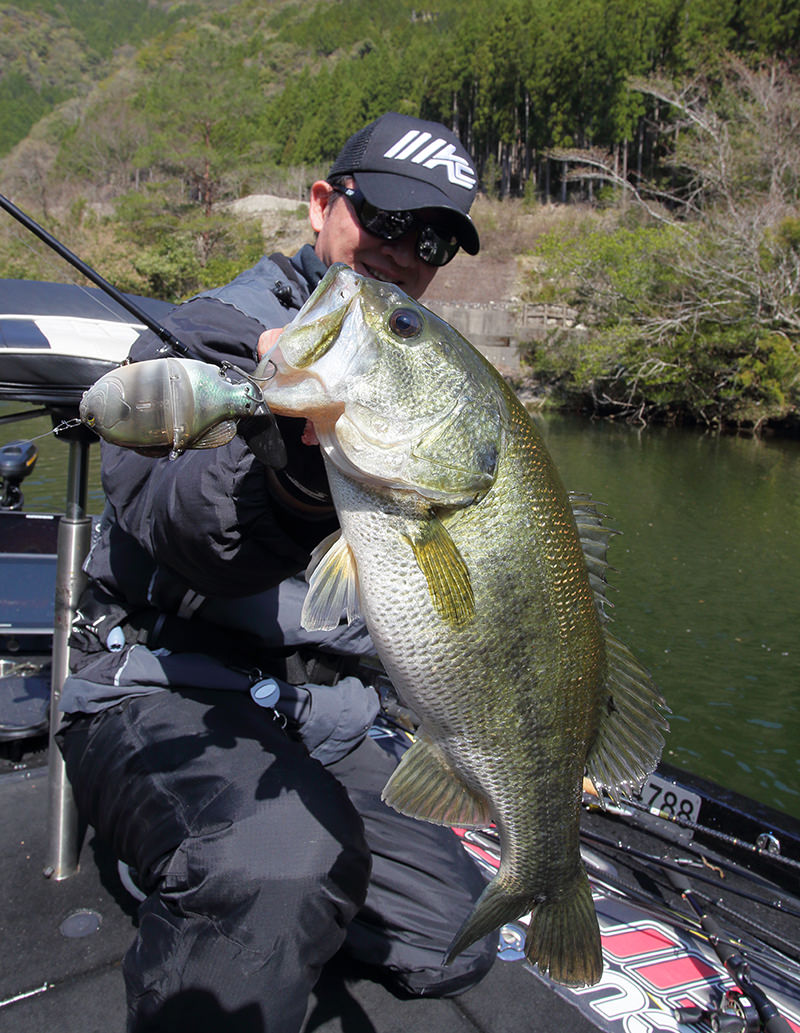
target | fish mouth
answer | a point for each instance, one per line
(382, 277)
(305, 378)
(315, 327)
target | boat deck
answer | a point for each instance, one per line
(62, 944)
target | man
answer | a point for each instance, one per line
(222, 750)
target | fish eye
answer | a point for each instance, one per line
(405, 322)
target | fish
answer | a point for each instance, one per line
(164, 406)
(482, 585)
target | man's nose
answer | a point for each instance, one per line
(404, 249)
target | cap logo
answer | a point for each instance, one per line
(418, 147)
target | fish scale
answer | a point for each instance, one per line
(460, 542)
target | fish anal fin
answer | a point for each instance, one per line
(633, 721)
(449, 582)
(425, 786)
(332, 585)
(497, 905)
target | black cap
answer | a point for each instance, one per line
(402, 163)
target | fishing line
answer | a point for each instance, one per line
(35, 414)
(47, 257)
(785, 950)
(64, 425)
(778, 957)
(655, 869)
(734, 962)
(96, 299)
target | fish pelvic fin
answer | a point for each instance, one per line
(564, 938)
(332, 585)
(448, 578)
(632, 726)
(424, 785)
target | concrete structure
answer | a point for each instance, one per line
(498, 329)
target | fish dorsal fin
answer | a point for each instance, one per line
(425, 786)
(594, 536)
(630, 737)
(449, 583)
(218, 435)
(332, 585)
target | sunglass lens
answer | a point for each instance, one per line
(388, 225)
(435, 249)
(433, 246)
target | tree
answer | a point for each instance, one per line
(702, 290)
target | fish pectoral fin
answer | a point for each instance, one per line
(425, 786)
(630, 737)
(332, 585)
(449, 582)
(220, 434)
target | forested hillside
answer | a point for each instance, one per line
(124, 124)
(255, 83)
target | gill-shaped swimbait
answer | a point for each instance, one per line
(164, 406)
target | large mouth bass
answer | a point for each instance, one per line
(460, 546)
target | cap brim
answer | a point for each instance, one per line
(401, 193)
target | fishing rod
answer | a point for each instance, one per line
(668, 865)
(740, 1012)
(736, 965)
(781, 954)
(259, 427)
(684, 823)
(171, 342)
(747, 1008)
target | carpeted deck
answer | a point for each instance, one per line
(51, 980)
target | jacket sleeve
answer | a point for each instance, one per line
(207, 521)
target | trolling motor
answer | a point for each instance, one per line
(17, 460)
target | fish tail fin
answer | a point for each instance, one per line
(564, 937)
(495, 906)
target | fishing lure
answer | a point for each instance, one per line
(164, 406)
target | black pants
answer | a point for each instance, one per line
(260, 863)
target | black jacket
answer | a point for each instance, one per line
(214, 521)
(182, 541)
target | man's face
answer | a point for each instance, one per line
(340, 238)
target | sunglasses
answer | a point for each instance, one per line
(435, 245)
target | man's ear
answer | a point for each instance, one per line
(320, 198)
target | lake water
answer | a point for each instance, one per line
(708, 568)
(705, 586)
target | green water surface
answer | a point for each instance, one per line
(705, 586)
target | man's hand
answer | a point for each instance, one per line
(266, 343)
(268, 340)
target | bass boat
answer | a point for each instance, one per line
(697, 888)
